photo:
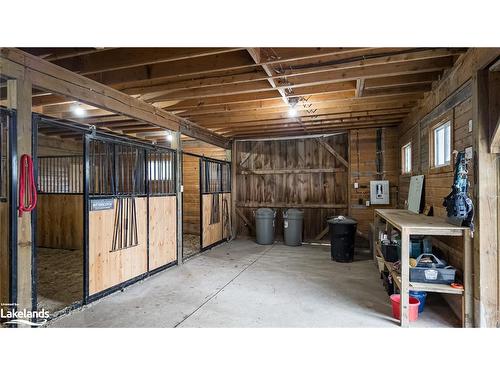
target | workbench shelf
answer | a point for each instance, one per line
(410, 223)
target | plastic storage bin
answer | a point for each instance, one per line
(396, 307)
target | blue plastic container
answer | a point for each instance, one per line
(421, 296)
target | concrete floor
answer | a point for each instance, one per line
(242, 284)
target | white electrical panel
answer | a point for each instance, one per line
(379, 192)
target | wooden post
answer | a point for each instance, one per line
(485, 256)
(234, 191)
(19, 92)
(468, 302)
(405, 278)
(179, 183)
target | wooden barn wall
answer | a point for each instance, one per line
(60, 221)
(363, 167)
(191, 195)
(109, 268)
(191, 181)
(298, 173)
(4, 252)
(438, 182)
(52, 146)
(162, 231)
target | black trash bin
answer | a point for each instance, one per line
(342, 235)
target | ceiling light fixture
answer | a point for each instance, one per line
(170, 137)
(78, 110)
(292, 112)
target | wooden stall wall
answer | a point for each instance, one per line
(60, 221)
(4, 252)
(162, 231)
(108, 268)
(191, 194)
(211, 233)
(438, 182)
(309, 174)
(363, 169)
(191, 181)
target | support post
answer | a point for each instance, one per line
(485, 256)
(234, 191)
(179, 187)
(19, 93)
(405, 278)
(468, 302)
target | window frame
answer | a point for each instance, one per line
(448, 117)
(405, 172)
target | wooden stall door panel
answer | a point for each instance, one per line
(162, 231)
(212, 233)
(60, 221)
(4, 252)
(108, 268)
(191, 194)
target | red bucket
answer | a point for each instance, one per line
(396, 307)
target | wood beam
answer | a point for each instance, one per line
(50, 77)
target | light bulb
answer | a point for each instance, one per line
(78, 111)
(292, 112)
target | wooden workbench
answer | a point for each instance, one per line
(410, 223)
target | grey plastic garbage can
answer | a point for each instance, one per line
(292, 223)
(264, 226)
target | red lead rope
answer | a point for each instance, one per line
(27, 203)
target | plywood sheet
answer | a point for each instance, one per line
(108, 268)
(162, 231)
(191, 194)
(212, 233)
(60, 221)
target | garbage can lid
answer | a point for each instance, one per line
(341, 220)
(265, 213)
(293, 213)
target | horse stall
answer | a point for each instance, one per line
(130, 212)
(215, 182)
(58, 221)
(106, 213)
(191, 211)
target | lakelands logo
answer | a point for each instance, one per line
(23, 317)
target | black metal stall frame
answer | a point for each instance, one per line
(90, 135)
(152, 171)
(215, 179)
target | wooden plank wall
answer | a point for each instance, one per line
(438, 182)
(297, 173)
(191, 195)
(212, 233)
(60, 221)
(191, 181)
(4, 252)
(162, 231)
(109, 268)
(363, 155)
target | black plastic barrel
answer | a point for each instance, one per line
(342, 235)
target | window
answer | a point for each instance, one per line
(406, 158)
(442, 144)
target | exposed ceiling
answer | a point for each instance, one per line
(248, 92)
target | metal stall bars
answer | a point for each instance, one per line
(215, 182)
(124, 170)
(8, 196)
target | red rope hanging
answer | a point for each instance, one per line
(27, 198)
